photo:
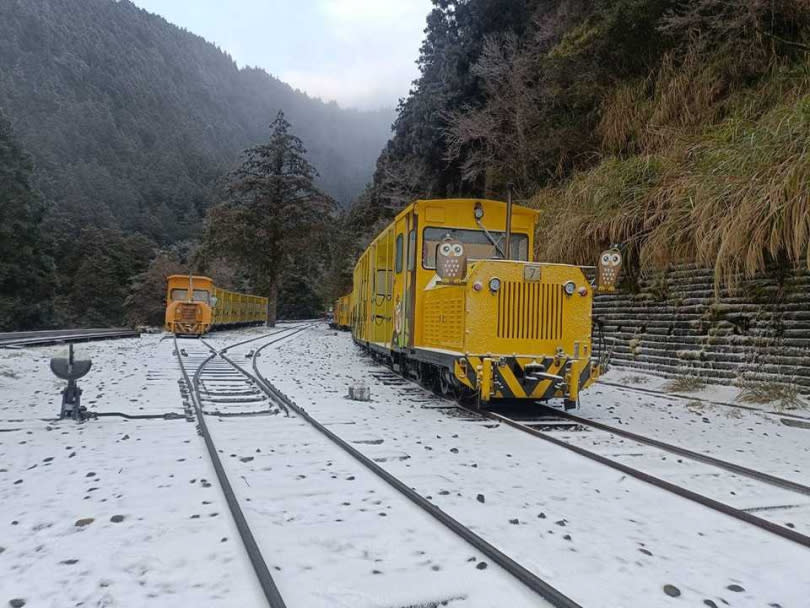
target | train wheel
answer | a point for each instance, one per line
(445, 383)
(421, 374)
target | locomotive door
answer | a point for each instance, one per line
(404, 281)
(410, 280)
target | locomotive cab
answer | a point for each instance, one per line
(189, 304)
(449, 293)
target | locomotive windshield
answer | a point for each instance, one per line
(476, 244)
(200, 295)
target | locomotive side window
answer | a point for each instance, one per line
(476, 244)
(399, 254)
(384, 282)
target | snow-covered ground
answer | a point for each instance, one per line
(602, 538)
(334, 534)
(161, 533)
(729, 393)
(110, 512)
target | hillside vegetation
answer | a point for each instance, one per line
(678, 128)
(132, 123)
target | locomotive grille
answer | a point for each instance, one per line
(188, 312)
(530, 311)
(444, 321)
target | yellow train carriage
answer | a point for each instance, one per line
(194, 306)
(231, 308)
(341, 316)
(439, 295)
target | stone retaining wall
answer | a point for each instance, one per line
(677, 325)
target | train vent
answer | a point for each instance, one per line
(530, 311)
(188, 312)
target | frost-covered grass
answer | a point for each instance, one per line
(685, 384)
(784, 397)
(634, 379)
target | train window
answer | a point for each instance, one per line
(179, 294)
(201, 295)
(384, 282)
(476, 244)
(412, 250)
(399, 254)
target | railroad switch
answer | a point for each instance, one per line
(71, 370)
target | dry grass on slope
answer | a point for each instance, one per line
(727, 196)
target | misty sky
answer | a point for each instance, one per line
(360, 53)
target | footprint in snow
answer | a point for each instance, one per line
(672, 590)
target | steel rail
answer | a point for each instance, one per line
(271, 333)
(710, 503)
(668, 447)
(715, 505)
(266, 581)
(522, 574)
(28, 339)
(39, 333)
(651, 391)
(297, 329)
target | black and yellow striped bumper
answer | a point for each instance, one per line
(515, 377)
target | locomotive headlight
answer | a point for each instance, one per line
(479, 211)
(569, 287)
(494, 284)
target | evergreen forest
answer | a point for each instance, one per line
(118, 132)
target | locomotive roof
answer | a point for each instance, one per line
(520, 209)
(195, 277)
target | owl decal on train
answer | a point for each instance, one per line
(449, 294)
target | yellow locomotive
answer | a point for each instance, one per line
(448, 294)
(194, 305)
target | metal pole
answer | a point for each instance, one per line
(508, 251)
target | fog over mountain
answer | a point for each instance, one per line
(131, 120)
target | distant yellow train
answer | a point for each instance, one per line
(342, 313)
(194, 306)
(448, 294)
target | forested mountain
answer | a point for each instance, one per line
(130, 118)
(25, 271)
(131, 123)
(679, 128)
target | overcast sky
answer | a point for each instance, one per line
(360, 53)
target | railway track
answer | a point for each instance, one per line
(220, 387)
(542, 423)
(549, 424)
(61, 336)
(787, 417)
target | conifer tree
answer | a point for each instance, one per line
(273, 212)
(25, 269)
